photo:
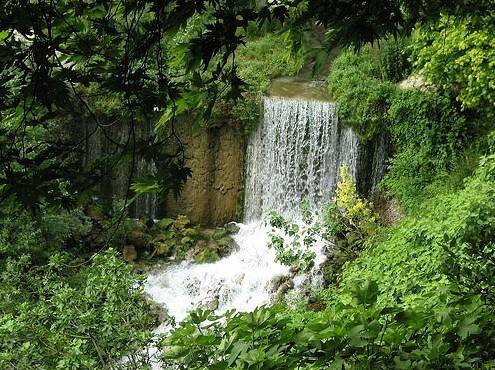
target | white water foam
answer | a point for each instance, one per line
(238, 281)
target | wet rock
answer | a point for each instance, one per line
(226, 246)
(239, 278)
(276, 282)
(294, 270)
(158, 311)
(231, 228)
(129, 253)
(212, 304)
(198, 246)
(284, 288)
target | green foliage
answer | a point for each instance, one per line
(344, 226)
(262, 59)
(355, 82)
(395, 62)
(292, 240)
(457, 55)
(65, 314)
(357, 214)
(419, 297)
(428, 131)
(430, 135)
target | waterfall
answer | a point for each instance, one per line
(295, 154)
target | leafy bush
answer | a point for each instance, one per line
(429, 135)
(292, 240)
(65, 314)
(357, 215)
(457, 55)
(263, 59)
(344, 226)
(355, 82)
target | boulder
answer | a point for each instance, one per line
(158, 311)
(284, 288)
(212, 304)
(232, 228)
(276, 282)
(226, 246)
(129, 253)
(138, 238)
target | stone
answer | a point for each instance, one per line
(212, 304)
(215, 155)
(232, 228)
(226, 246)
(158, 311)
(284, 288)
(129, 253)
(294, 270)
(276, 282)
(239, 278)
(138, 238)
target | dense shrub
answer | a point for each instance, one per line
(355, 82)
(429, 135)
(263, 59)
(61, 306)
(428, 131)
(457, 55)
(65, 314)
(362, 84)
(344, 226)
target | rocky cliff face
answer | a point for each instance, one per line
(213, 195)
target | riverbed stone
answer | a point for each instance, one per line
(232, 228)
(284, 288)
(276, 282)
(226, 246)
(129, 253)
(158, 311)
(212, 304)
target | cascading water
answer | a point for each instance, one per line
(294, 154)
